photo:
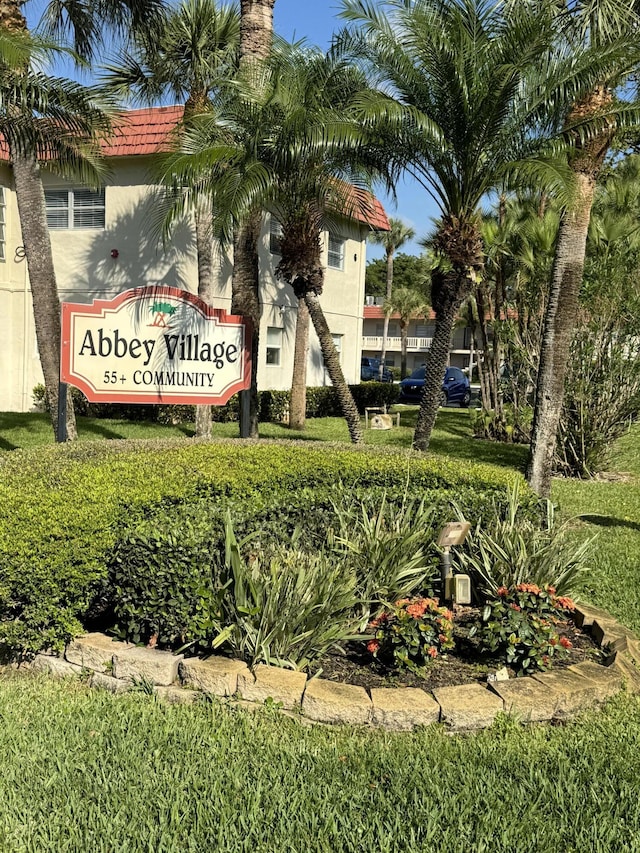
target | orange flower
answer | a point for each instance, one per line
(373, 646)
(565, 642)
(515, 607)
(565, 602)
(442, 638)
(432, 652)
(502, 591)
(401, 602)
(529, 587)
(416, 610)
(551, 590)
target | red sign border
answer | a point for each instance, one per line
(98, 306)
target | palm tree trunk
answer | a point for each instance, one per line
(562, 304)
(204, 252)
(298, 397)
(256, 28)
(256, 36)
(332, 363)
(558, 332)
(245, 285)
(404, 335)
(436, 366)
(385, 327)
(46, 304)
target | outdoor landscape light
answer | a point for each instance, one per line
(455, 588)
(115, 253)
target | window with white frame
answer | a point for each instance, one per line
(75, 209)
(274, 345)
(337, 342)
(3, 225)
(275, 236)
(335, 255)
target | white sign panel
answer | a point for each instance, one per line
(154, 345)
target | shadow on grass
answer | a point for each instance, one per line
(610, 521)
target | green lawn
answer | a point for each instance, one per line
(31, 430)
(85, 771)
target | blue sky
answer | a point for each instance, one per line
(316, 21)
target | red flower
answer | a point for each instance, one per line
(565, 642)
(373, 646)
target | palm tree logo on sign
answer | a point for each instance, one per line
(161, 309)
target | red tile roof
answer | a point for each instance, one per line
(148, 131)
(376, 312)
(140, 132)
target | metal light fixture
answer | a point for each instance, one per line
(456, 588)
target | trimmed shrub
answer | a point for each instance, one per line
(64, 507)
(322, 402)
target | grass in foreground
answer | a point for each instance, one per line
(609, 509)
(85, 771)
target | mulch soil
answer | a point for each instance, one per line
(465, 664)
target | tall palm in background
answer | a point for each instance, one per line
(188, 56)
(477, 95)
(256, 37)
(293, 145)
(66, 120)
(407, 304)
(391, 240)
(603, 26)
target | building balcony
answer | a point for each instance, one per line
(374, 343)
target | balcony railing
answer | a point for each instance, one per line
(372, 342)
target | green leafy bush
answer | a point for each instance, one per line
(285, 606)
(411, 633)
(322, 402)
(515, 549)
(389, 545)
(519, 625)
(164, 581)
(63, 508)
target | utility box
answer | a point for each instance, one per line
(458, 589)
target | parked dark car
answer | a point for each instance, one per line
(370, 370)
(455, 387)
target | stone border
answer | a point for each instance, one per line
(557, 695)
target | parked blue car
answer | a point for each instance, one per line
(455, 387)
(370, 370)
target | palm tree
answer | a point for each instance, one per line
(397, 235)
(408, 304)
(477, 94)
(189, 56)
(600, 24)
(64, 119)
(256, 36)
(288, 146)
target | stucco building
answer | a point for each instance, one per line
(104, 242)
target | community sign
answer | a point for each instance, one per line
(154, 344)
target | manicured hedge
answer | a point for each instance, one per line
(62, 507)
(322, 402)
